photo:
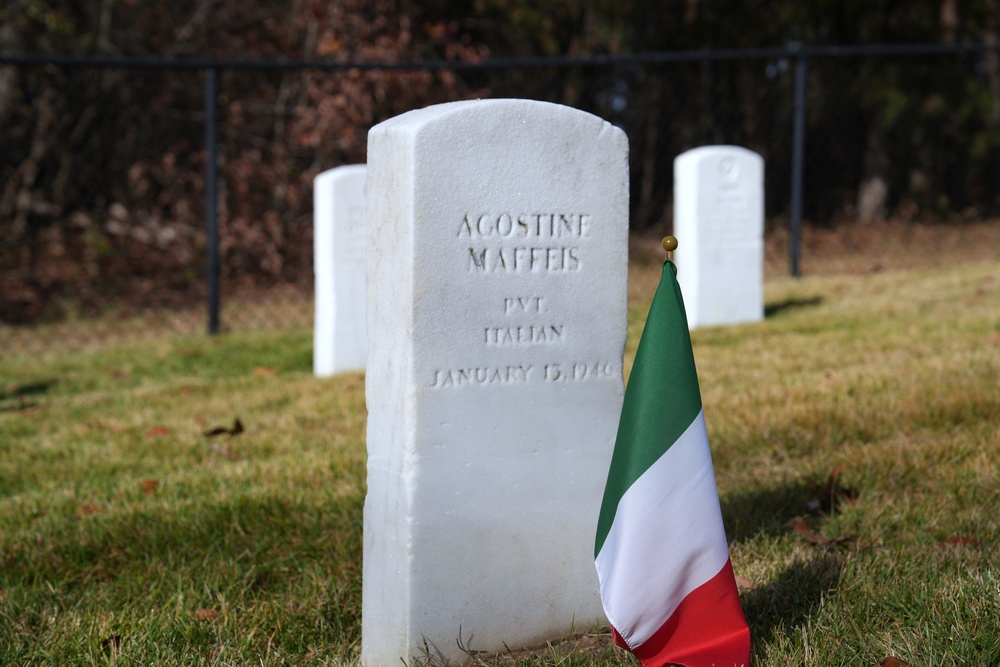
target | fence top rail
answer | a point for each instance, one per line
(698, 55)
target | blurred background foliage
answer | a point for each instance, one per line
(102, 187)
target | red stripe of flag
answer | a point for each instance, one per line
(705, 630)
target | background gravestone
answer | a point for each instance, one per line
(340, 341)
(719, 225)
(497, 315)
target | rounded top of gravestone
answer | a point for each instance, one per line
(729, 156)
(503, 112)
(343, 171)
(669, 243)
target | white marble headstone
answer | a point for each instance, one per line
(498, 234)
(719, 225)
(340, 341)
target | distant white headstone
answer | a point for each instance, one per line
(340, 342)
(719, 225)
(497, 315)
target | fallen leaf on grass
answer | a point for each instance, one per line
(117, 374)
(960, 541)
(236, 429)
(819, 539)
(811, 536)
(745, 584)
(157, 431)
(219, 449)
(149, 485)
(88, 510)
(206, 614)
(892, 661)
(264, 370)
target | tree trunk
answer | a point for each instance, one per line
(949, 21)
(9, 43)
(873, 193)
(991, 60)
(647, 206)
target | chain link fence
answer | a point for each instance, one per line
(191, 204)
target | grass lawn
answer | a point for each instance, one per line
(855, 432)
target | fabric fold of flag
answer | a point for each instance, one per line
(666, 580)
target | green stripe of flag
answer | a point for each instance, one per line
(661, 400)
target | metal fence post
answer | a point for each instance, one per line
(211, 194)
(798, 158)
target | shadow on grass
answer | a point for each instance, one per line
(20, 395)
(788, 601)
(773, 309)
(769, 512)
(254, 551)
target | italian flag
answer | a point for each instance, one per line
(666, 580)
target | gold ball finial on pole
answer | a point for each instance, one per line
(669, 243)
